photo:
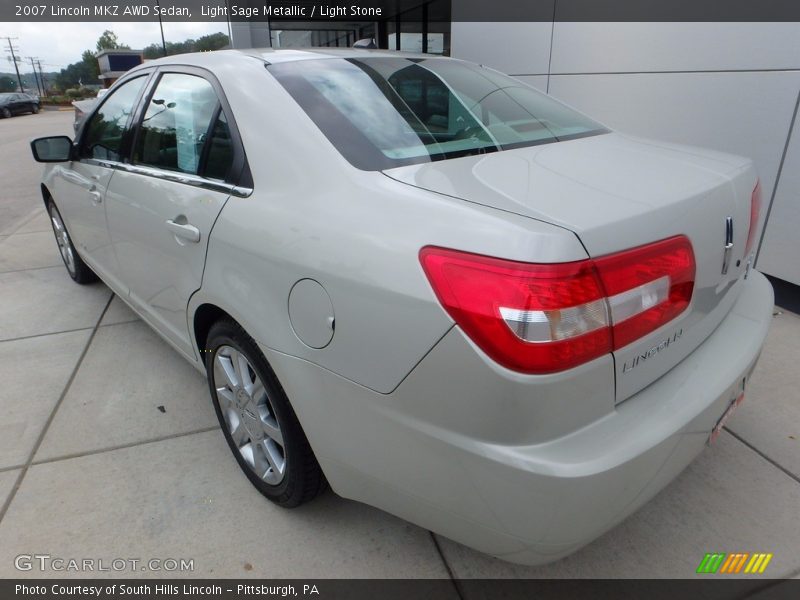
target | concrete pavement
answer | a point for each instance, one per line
(109, 448)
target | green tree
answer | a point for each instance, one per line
(90, 65)
(85, 72)
(7, 84)
(109, 41)
(214, 41)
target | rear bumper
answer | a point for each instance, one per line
(527, 498)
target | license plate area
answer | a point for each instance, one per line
(727, 414)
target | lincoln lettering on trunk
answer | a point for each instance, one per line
(636, 360)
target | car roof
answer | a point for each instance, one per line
(282, 55)
(276, 55)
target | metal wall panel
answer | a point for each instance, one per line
(741, 113)
(637, 47)
(780, 249)
(515, 48)
(727, 86)
(537, 81)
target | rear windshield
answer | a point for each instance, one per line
(382, 113)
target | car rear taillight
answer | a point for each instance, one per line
(647, 286)
(755, 211)
(543, 318)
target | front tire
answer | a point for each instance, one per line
(6, 113)
(77, 269)
(257, 419)
(35, 109)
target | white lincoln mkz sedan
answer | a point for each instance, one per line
(422, 282)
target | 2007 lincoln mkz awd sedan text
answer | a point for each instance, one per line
(423, 282)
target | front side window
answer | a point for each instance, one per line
(177, 124)
(388, 112)
(106, 129)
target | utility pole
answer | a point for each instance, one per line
(14, 60)
(35, 76)
(41, 76)
(161, 26)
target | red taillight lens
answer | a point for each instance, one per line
(518, 313)
(755, 211)
(647, 286)
(542, 318)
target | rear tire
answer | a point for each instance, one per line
(6, 113)
(77, 269)
(257, 419)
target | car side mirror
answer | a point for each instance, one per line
(53, 149)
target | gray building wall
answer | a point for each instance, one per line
(246, 34)
(733, 87)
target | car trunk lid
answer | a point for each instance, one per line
(615, 193)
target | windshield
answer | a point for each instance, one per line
(389, 112)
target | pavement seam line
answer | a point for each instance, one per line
(136, 320)
(27, 232)
(155, 440)
(12, 494)
(38, 335)
(13, 468)
(447, 566)
(762, 455)
(31, 269)
(27, 220)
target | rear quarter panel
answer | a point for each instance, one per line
(358, 233)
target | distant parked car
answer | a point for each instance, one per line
(82, 107)
(15, 104)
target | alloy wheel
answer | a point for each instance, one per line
(64, 243)
(248, 415)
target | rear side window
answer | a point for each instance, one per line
(220, 150)
(105, 130)
(177, 123)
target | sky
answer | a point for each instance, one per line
(58, 44)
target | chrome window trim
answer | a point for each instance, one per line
(184, 178)
(240, 165)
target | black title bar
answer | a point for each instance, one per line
(394, 589)
(409, 10)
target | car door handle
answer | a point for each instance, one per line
(95, 197)
(184, 231)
